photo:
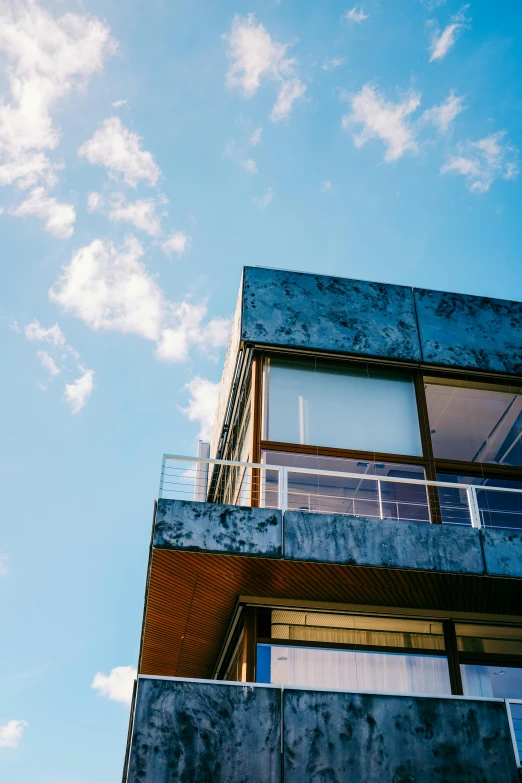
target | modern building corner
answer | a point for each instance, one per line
(334, 588)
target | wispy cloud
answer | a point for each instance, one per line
(59, 217)
(333, 63)
(110, 289)
(443, 41)
(51, 334)
(249, 165)
(141, 214)
(255, 137)
(326, 186)
(94, 201)
(79, 391)
(356, 14)
(202, 404)
(442, 116)
(384, 120)
(117, 685)
(46, 59)
(265, 200)
(255, 57)
(48, 363)
(11, 733)
(177, 243)
(120, 151)
(119, 104)
(482, 162)
(4, 568)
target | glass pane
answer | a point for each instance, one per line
(357, 629)
(493, 639)
(353, 669)
(475, 422)
(502, 682)
(323, 405)
(516, 716)
(357, 496)
(497, 509)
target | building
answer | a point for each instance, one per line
(345, 604)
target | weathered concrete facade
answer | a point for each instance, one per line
(337, 539)
(223, 733)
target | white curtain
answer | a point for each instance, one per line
(354, 670)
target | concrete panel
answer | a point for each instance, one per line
(329, 314)
(189, 731)
(351, 540)
(360, 738)
(212, 527)
(503, 552)
(470, 331)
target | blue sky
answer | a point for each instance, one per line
(148, 151)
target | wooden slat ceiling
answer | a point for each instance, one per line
(191, 598)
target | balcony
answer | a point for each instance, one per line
(209, 731)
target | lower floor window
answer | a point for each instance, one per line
(386, 672)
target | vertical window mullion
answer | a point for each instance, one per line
(450, 642)
(427, 450)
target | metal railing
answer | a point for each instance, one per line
(326, 491)
(514, 710)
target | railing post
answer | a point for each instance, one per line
(379, 494)
(474, 511)
(160, 493)
(283, 488)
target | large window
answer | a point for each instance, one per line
(354, 652)
(321, 404)
(475, 422)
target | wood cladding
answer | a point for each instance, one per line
(191, 599)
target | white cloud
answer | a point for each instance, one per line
(120, 151)
(356, 14)
(289, 92)
(249, 165)
(110, 288)
(442, 116)
(482, 162)
(11, 733)
(48, 363)
(176, 243)
(117, 685)
(333, 63)
(174, 343)
(59, 217)
(255, 58)
(4, 568)
(202, 404)
(141, 213)
(255, 138)
(78, 392)
(326, 186)
(442, 42)
(52, 335)
(46, 57)
(384, 120)
(265, 200)
(94, 201)
(119, 104)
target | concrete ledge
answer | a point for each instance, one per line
(502, 552)
(350, 540)
(211, 527)
(341, 737)
(200, 732)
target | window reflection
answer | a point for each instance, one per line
(503, 682)
(497, 509)
(339, 495)
(320, 404)
(475, 422)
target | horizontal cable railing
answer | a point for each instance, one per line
(327, 491)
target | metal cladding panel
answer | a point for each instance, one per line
(333, 314)
(365, 738)
(475, 332)
(352, 540)
(503, 552)
(188, 732)
(212, 527)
